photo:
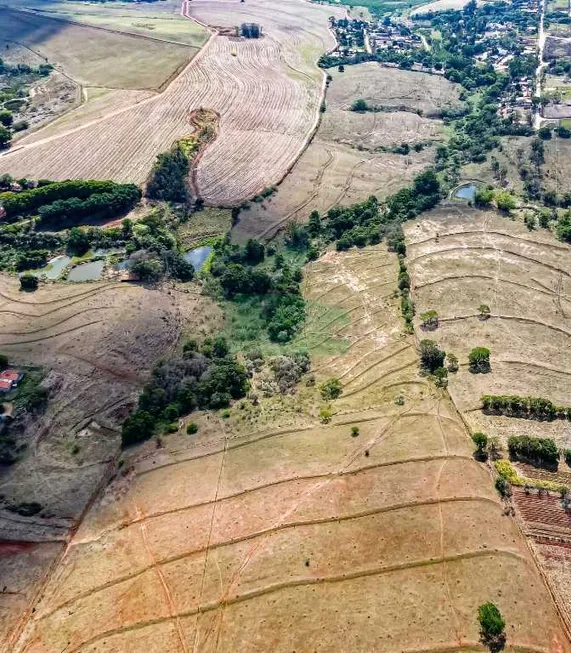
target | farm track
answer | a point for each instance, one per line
(265, 111)
(275, 529)
(277, 587)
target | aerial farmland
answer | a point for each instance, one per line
(285, 329)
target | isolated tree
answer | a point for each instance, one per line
(341, 68)
(484, 311)
(505, 202)
(28, 282)
(359, 105)
(331, 389)
(431, 357)
(492, 627)
(479, 359)
(429, 320)
(483, 197)
(6, 118)
(481, 442)
(5, 136)
(452, 363)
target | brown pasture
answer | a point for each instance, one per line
(348, 159)
(459, 258)
(300, 536)
(96, 343)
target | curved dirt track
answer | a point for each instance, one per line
(267, 91)
(300, 536)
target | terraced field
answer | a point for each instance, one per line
(349, 158)
(460, 258)
(96, 343)
(267, 91)
(300, 536)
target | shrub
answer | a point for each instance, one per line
(505, 202)
(325, 415)
(567, 456)
(479, 360)
(139, 426)
(483, 197)
(484, 311)
(28, 282)
(192, 428)
(503, 487)
(481, 442)
(440, 377)
(429, 320)
(492, 627)
(359, 105)
(171, 427)
(452, 363)
(331, 389)
(354, 431)
(431, 357)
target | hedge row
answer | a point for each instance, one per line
(28, 201)
(541, 451)
(525, 407)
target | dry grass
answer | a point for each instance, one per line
(266, 90)
(97, 343)
(460, 258)
(96, 57)
(241, 536)
(345, 162)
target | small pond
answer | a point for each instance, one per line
(466, 192)
(54, 267)
(197, 257)
(86, 271)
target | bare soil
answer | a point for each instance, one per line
(246, 537)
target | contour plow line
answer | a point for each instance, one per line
(277, 587)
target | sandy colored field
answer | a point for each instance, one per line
(300, 536)
(96, 57)
(345, 162)
(266, 90)
(97, 342)
(460, 258)
(556, 166)
(133, 18)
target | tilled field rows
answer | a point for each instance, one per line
(302, 536)
(267, 91)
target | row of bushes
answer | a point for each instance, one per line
(207, 376)
(525, 407)
(538, 451)
(28, 201)
(64, 213)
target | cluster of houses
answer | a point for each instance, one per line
(9, 379)
(395, 37)
(361, 36)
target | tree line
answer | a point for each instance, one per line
(524, 407)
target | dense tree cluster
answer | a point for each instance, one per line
(29, 201)
(239, 271)
(63, 213)
(168, 177)
(524, 407)
(539, 451)
(207, 376)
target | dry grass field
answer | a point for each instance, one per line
(345, 162)
(266, 90)
(460, 258)
(95, 57)
(96, 343)
(556, 167)
(300, 536)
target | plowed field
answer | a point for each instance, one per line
(267, 91)
(302, 537)
(348, 159)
